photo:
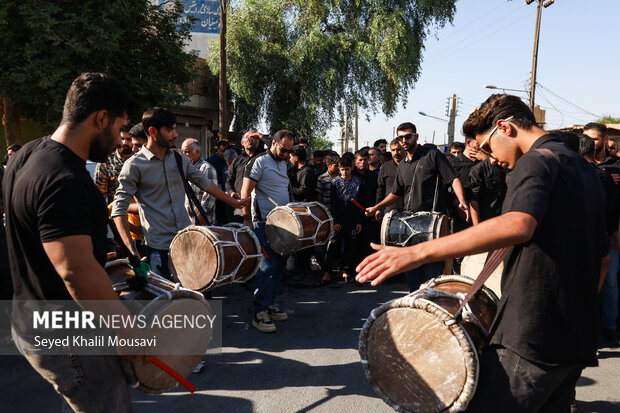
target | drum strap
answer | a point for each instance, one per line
(193, 200)
(493, 261)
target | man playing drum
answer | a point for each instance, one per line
(56, 228)
(545, 330)
(420, 180)
(267, 180)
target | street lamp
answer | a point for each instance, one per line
(434, 117)
(505, 89)
(450, 126)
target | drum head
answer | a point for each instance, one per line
(283, 230)
(194, 342)
(415, 362)
(195, 257)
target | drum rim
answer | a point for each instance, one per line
(458, 277)
(472, 367)
(300, 227)
(117, 262)
(220, 252)
(385, 225)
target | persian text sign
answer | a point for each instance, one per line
(206, 13)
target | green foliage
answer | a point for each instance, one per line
(318, 143)
(295, 61)
(608, 119)
(47, 44)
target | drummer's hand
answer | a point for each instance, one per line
(235, 195)
(465, 209)
(384, 263)
(242, 202)
(358, 228)
(378, 215)
(248, 223)
(337, 227)
(135, 354)
(370, 212)
(110, 256)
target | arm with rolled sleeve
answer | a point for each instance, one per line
(128, 181)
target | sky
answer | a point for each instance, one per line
(490, 42)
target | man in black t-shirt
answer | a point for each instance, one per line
(420, 179)
(56, 229)
(545, 329)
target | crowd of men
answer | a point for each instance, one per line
(554, 197)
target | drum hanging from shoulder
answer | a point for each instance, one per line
(416, 358)
(298, 225)
(401, 229)
(207, 257)
(164, 299)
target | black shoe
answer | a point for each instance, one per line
(611, 335)
(573, 407)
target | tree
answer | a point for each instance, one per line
(294, 62)
(45, 45)
(608, 119)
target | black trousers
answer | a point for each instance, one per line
(509, 383)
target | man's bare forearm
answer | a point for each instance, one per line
(122, 224)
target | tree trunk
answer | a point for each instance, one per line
(223, 126)
(10, 122)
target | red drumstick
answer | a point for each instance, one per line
(357, 204)
(263, 250)
(174, 374)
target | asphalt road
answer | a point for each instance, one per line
(310, 364)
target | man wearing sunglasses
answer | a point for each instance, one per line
(267, 180)
(419, 177)
(545, 329)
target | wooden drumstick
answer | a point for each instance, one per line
(263, 250)
(174, 374)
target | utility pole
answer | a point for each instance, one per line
(535, 54)
(223, 102)
(452, 122)
(355, 133)
(346, 130)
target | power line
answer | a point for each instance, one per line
(442, 53)
(572, 104)
(469, 24)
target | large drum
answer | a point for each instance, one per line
(207, 257)
(416, 358)
(402, 229)
(164, 298)
(297, 226)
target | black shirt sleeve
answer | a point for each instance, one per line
(381, 189)
(476, 180)
(443, 166)
(398, 188)
(529, 186)
(58, 215)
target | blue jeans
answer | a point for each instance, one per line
(158, 260)
(422, 274)
(267, 279)
(87, 383)
(609, 292)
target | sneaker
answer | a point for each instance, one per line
(263, 323)
(198, 367)
(275, 313)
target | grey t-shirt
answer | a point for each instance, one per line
(272, 184)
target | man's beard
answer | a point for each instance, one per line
(125, 150)
(102, 145)
(163, 142)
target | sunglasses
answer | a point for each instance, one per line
(485, 146)
(283, 149)
(407, 136)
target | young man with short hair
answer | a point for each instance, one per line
(153, 177)
(420, 180)
(56, 221)
(545, 329)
